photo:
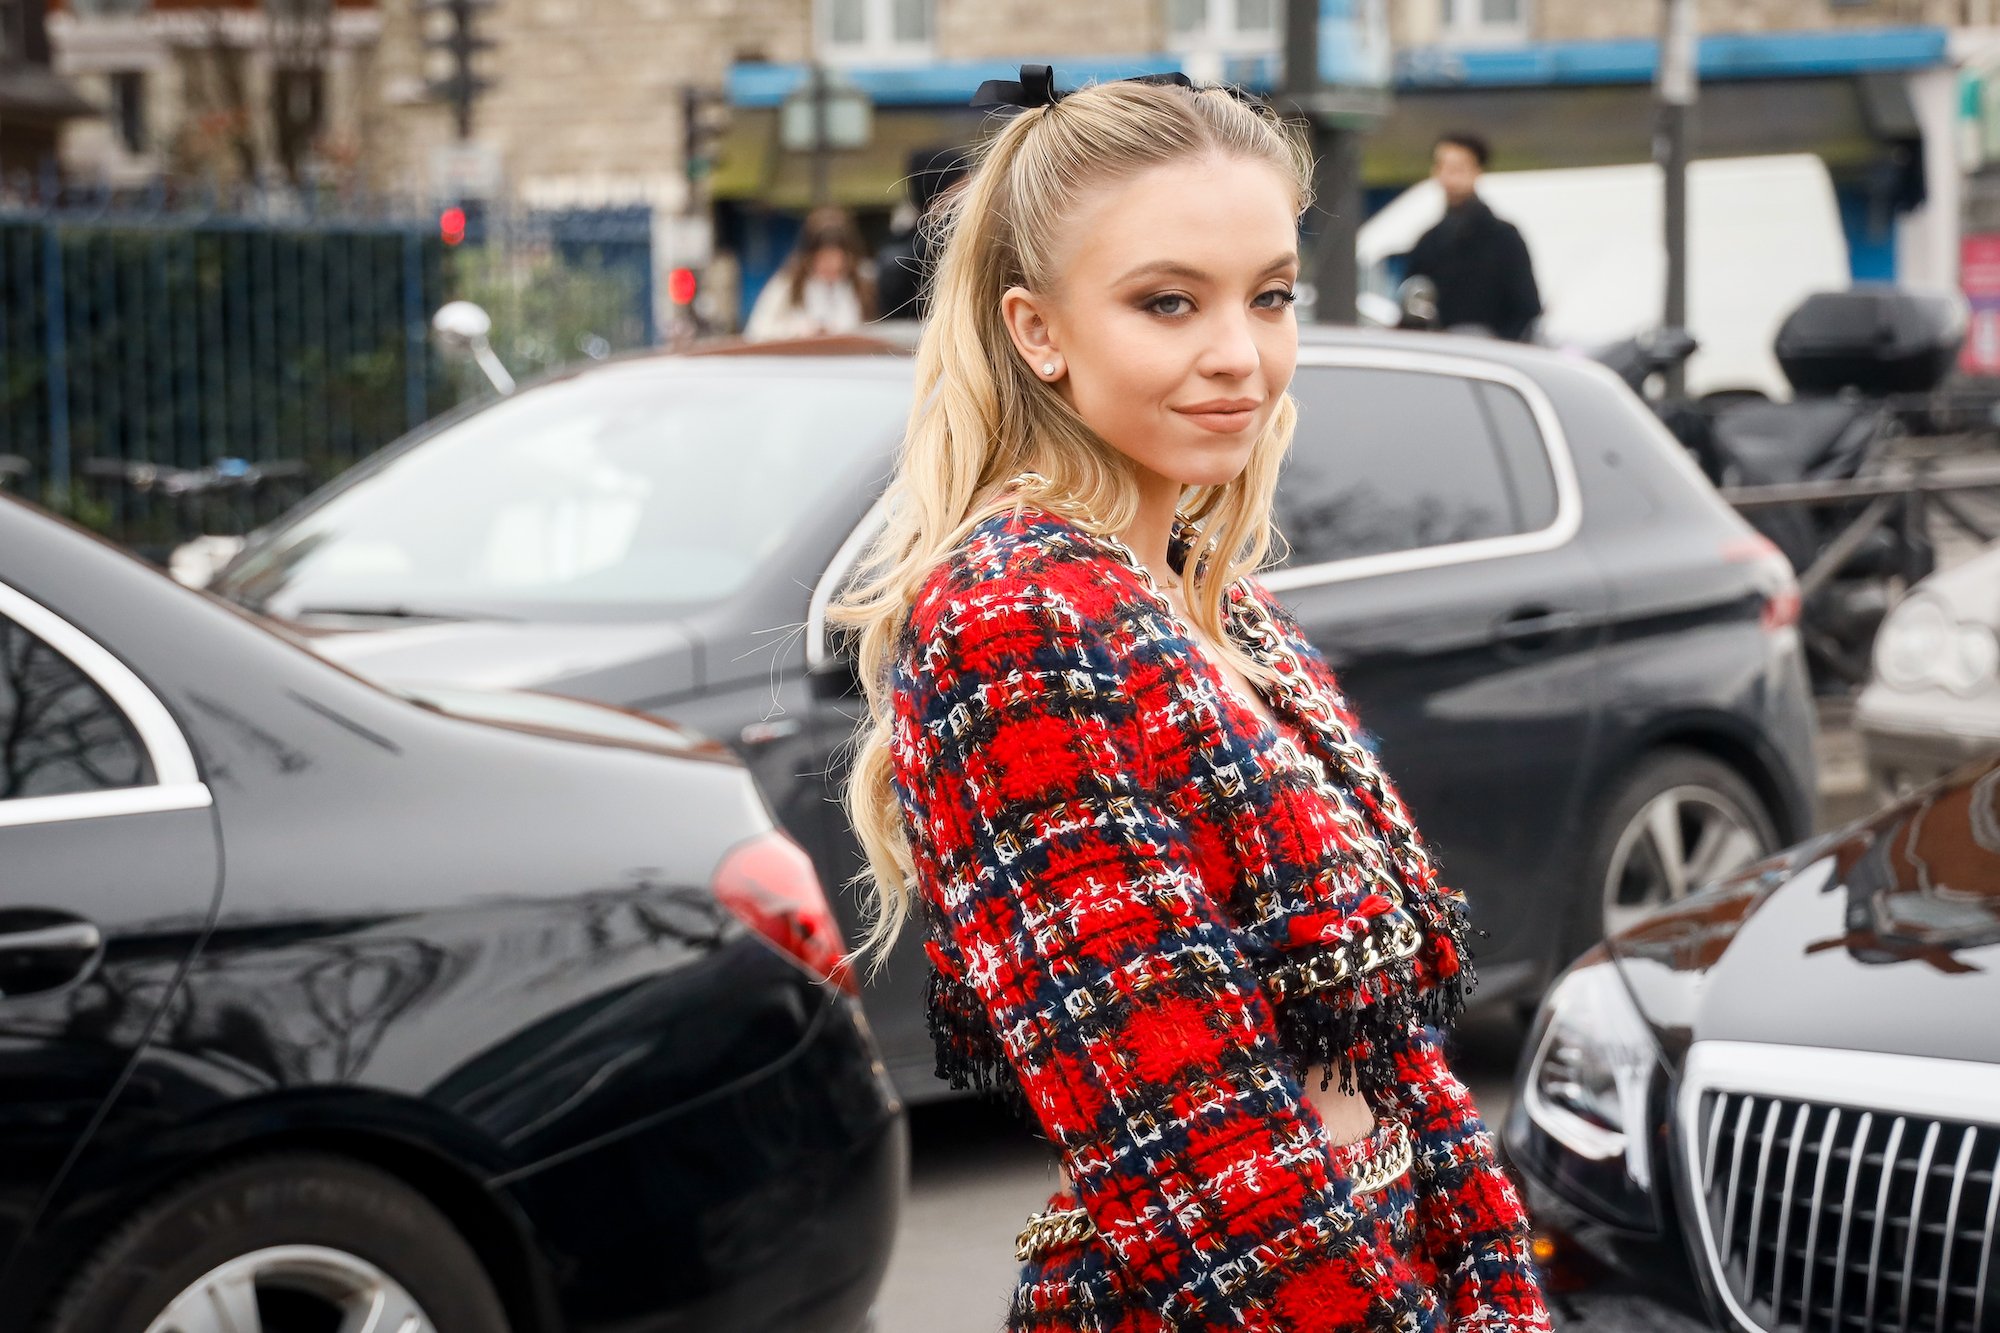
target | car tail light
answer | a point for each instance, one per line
(1781, 586)
(770, 884)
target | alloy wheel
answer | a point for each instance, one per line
(1678, 841)
(294, 1289)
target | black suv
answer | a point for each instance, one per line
(1581, 665)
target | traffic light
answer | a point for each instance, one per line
(704, 120)
(448, 32)
(451, 225)
(681, 285)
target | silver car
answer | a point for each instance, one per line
(1933, 702)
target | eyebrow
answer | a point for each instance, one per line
(1168, 268)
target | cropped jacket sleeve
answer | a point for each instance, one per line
(1118, 997)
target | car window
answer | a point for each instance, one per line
(59, 733)
(1399, 460)
(1524, 455)
(639, 487)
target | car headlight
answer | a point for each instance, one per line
(1581, 1118)
(1922, 646)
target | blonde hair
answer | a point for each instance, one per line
(980, 415)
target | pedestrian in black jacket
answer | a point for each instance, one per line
(1479, 262)
(903, 265)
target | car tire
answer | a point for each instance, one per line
(294, 1234)
(1673, 796)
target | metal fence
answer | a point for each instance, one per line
(188, 332)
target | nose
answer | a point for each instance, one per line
(1231, 352)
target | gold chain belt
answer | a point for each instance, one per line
(1056, 1227)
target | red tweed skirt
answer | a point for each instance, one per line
(1075, 1286)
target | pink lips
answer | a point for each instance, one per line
(1223, 415)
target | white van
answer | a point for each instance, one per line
(1763, 234)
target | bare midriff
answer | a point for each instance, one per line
(1347, 1115)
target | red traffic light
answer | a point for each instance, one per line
(680, 286)
(451, 225)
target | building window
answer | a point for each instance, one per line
(108, 8)
(128, 108)
(1227, 26)
(859, 31)
(1485, 20)
(298, 113)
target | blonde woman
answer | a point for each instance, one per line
(1175, 911)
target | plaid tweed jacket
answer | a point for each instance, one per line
(1150, 914)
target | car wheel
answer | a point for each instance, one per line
(1680, 820)
(289, 1243)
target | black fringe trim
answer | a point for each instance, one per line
(969, 1054)
(1372, 1013)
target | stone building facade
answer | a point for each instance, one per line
(587, 96)
(586, 100)
(1559, 20)
(228, 90)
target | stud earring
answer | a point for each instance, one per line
(1048, 367)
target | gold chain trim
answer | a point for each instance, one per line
(1051, 1230)
(1057, 1227)
(1336, 963)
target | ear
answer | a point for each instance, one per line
(1027, 317)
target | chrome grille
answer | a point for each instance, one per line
(1819, 1215)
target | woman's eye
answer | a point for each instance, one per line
(1157, 302)
(1285, 297)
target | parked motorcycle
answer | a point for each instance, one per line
(1863, 365)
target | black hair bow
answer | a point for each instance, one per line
(1037, 87)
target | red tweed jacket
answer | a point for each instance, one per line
(1151, 915)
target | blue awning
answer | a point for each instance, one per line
(938, 83)
(1721, 57)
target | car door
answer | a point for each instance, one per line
(108, 870)
(1430, 511)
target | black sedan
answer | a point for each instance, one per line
(326, 1008)
(1581, 664)
(1776, 1104)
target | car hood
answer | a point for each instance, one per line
(1882, 936)
(620, 663)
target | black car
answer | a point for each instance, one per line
(336, 1009)
(1581, 665)
(1776, 1104)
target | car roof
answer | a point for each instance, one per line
(890, 355)
(1526, 357)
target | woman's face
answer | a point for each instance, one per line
(829, 263)
(1170, 326)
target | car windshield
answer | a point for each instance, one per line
(634, 488)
